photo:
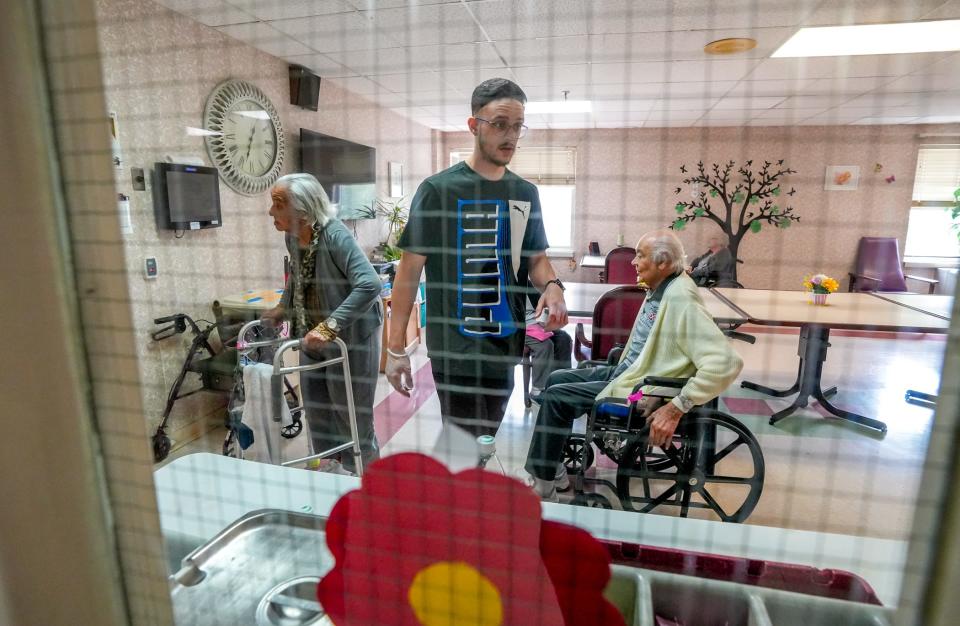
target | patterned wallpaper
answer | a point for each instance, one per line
(626, 182)
(159, 67)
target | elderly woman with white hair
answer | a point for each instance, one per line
(673, 336)
(332, 291)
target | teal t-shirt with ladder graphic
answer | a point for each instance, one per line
(478, 236)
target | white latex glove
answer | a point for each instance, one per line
(399, 373)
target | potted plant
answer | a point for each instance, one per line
(820, 286)
(395, 214)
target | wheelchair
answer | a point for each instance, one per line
(714, 462)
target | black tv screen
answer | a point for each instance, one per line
(347, 171)
(186, 197)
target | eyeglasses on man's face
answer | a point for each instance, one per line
(503, 128)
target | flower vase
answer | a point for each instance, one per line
(820, 299)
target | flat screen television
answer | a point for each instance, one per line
(186, 197)
(347, 171)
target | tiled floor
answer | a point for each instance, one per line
(821, 473)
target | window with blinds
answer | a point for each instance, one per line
(553, 171)
(938, 174)
(930, 229)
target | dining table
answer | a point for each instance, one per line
(850, 311)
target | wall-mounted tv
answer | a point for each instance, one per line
(347, 171)
(186, 197)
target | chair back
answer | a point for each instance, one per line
(613, 318)
(617, 268)
(879, 257)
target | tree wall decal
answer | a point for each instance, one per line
(753, 200)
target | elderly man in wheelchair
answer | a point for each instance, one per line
(656, 436)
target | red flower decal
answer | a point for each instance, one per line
(419, 546)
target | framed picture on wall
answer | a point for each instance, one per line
(395, 176)
(842, 178)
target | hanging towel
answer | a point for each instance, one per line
(258, 410)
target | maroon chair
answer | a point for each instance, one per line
(613, 318)
(879, 268)
(617, 268)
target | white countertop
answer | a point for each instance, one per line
(200, 494)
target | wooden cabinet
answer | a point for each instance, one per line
(413, 330)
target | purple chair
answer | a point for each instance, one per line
(617, 268)
(613, 318)
(879, 267)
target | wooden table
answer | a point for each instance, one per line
(939, 306)
(860, 311)
(581, 299)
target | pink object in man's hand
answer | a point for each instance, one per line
(634, 397)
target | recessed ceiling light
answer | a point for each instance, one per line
(731, 45)
(904, 38)
(559, 106)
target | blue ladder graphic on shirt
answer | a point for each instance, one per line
(483, 227)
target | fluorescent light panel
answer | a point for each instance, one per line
(908, 37)
(559, 106)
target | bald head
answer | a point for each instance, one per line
(665, 247)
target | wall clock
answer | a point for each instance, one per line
(248, 147)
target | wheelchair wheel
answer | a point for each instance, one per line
(572, 451)
(291, 431)
(592, 501)
(724, 477)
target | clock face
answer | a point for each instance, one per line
(249, 137)
(248, 145)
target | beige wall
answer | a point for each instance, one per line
(159, 68)
(626, 181)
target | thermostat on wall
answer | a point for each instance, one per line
(150, 267)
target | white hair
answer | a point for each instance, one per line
(722, 236)
(665, 247)
(306, 195)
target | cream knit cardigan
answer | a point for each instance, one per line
(684, 342)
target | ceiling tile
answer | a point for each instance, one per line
(937, 119)
(871, 121)
(262, 36)
(871, 12)
(467, 80)
(556, 76)
(788, 115)
(947, 11)
(545, 51)
(419, 58)
(844, 67)
(712, 89)
(771, 87)
(667, 114)
(446, 97)
(879, 102)
(854, 86)
(362, 86)
(422, 25)
(624, 105)
(601, 123)
(809, 102)
(372, 5)
(413, 82)
(336, 33)
(322, 65)
(526, 19)
(749, 102)
(725, 115)
(924, 83)
(288, 9)
(669, 123)
(209, 12)
(684, 104)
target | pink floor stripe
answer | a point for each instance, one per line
(396, 409)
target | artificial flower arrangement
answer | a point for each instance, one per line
(820, 285)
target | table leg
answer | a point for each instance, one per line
(814, 341)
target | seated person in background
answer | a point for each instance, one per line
(673, 336)
(549, 352)
(715, 265)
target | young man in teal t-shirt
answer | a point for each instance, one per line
(477, 230)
